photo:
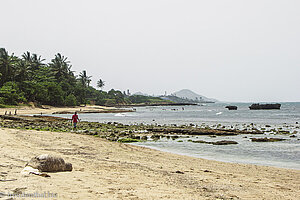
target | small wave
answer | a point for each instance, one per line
(120, 115)
(219, 113)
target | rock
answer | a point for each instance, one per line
(200, 141)
(174, 137)
(293, 136)
(155, 137)
(266, 139)
(231, 107)
(224, 142)
(144, 137)
(257, 106)
(49, 163)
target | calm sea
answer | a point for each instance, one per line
(284, 154)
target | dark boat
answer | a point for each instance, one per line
(257, 106)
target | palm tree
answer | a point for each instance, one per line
(100, 84)
(61, 68)
(35, 61)
(84, 79)
(7, 66)
(23, 71)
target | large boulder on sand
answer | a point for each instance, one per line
(49, 163)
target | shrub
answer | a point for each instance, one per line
(70, 100)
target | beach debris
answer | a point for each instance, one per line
(30, 170)
(49, 163)
(179, 172)
(266, 139)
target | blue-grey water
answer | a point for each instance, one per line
(284, 154)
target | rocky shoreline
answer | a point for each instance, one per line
(114, 131)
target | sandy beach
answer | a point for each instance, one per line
(24, 110)
(111, 170)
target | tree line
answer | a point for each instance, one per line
(29, 79)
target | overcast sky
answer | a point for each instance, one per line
(231, 50)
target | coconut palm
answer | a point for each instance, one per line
(84, 79)
(23, 71)
(7, 66)
(61, 68)
(35, 61)
(100, 84)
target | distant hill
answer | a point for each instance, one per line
(140, 93)
(188, 94)
(179, 100)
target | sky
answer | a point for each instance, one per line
(231, 50)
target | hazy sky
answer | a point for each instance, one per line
(231, 50)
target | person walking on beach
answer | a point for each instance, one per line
(75, 119)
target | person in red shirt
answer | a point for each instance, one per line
(75, 119)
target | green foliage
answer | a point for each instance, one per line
(10, 94)
(54, 94)
(29, 79)
(144, 99)
(71, 100)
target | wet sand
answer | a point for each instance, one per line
(110, 170)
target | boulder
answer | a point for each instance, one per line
(231, 107)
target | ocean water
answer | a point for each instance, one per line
(284, 154)
(206, 113)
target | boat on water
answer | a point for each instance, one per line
(257, 106)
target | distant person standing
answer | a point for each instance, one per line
(75, 119)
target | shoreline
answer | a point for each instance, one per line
(104, 169)
(44, 110)
(213, 159)
(113, 131)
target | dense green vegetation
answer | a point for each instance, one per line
(30, 79)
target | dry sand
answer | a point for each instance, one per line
(109, 170)
(50, 109)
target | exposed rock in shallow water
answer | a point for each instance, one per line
(231, 107)
(266, 139)
(257, 106)
(222, 142)
(144, 137)
(201, 131)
